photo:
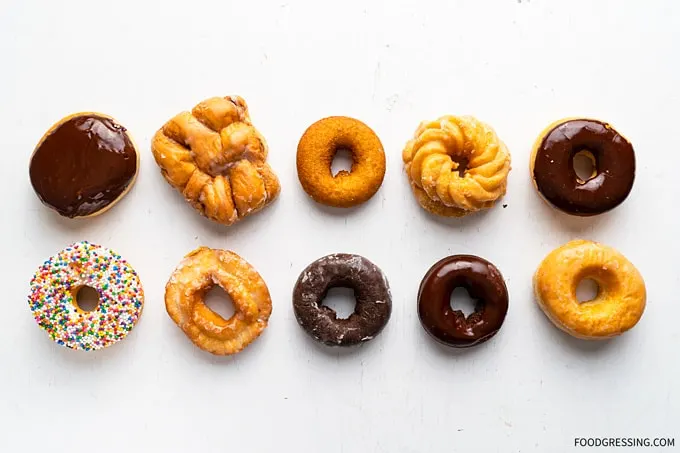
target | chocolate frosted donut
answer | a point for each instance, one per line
(83, 165)
(371, 290)
(555, 178)
(482, 280)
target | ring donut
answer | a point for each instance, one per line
(553, 173)
(482, 280)
(196, 274)
(315, 153)
(54, 292)
(621, 296)
(371, 290)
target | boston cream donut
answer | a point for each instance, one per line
(621, 295)
(54, 297)
(83, 165)
(552, 167)
(196, 274)
(456, 165)
(315, 153)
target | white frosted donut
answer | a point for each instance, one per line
(57, 281)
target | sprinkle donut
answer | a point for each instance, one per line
(54, 289)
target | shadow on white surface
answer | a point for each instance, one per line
(444, 351)
(576, 346)
(339, 212)
(573, 224)
(180, 345)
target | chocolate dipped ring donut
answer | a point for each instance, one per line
(621, 296)
(482, 280)
(315, 153)
(553, 173)
(371, 290)
(83, 165)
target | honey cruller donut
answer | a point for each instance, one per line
(456, 165)
(315, 153)
(196, 274)
(621, 296)
(217, 160)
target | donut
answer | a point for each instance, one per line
(83, 165)
(553, 173)
(482, 280)
(620, 299)
(456, 165)
(371, 291)
(198, 272)
(217, 160)
(53, 297)
(315, 153)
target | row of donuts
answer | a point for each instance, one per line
(217, 160)
(55, 288)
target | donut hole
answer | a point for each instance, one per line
(219, 302)
(343, 161)
(585, 166)
(587, 290)
(341, 301)
(86, 298)
(462, 301)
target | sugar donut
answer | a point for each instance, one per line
(315, 153)
(54, 288)
(621, 296)
(199, 271)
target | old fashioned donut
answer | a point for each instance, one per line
(482, 280)
(553, 173)
(456, 165)
(315, 153)
(621, 296)
(54, 292)
(217, 160)
(198, 272)
(371, 290)
(83, 165)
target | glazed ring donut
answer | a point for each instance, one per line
(456, 165)
(621, 296)
(54, 291)
(315, 153)
(482, 280)
(83, 165)
(553, 173)
(196, 274)
(371, 290)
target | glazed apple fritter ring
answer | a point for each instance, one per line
(196, 274)
(456, 165)
(217, 160)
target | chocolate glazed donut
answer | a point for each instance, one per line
(482, 280)
(553, 172)
(371, 290)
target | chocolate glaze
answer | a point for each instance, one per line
(371, 290)
(482, 280)
(557, 181)
(83, 165)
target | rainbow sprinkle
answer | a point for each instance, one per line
(121, 297)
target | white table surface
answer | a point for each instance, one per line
(517, 65)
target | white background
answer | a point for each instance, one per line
(517, 65)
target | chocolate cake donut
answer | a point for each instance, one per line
(371, 290)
